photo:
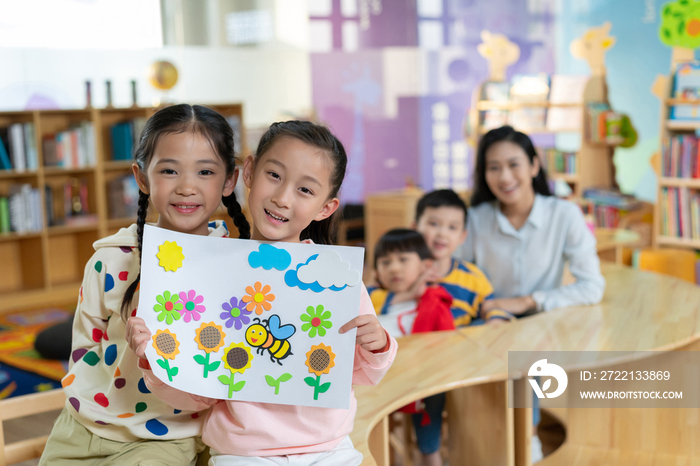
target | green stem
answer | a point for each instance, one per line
(318, 382)
(167, 369)
(206, 366)
(230, 385)
(277, 387)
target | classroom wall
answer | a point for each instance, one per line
(267, 81)
(633, 63)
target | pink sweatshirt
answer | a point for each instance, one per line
(244, 428)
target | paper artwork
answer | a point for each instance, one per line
(250, 321)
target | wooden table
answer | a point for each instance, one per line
(614, 239)
(640, 311)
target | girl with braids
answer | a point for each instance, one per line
(294, 179)
(185, 167)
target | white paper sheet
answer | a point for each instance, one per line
(300, 294)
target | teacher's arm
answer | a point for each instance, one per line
(584, 265)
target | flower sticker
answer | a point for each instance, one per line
(258, 298)
(316, 321)
(235, 313)
(167, 347)
(192, 305)
(210, 339)
(319, 359)
(168, 306)
(237, 358)
(170, 255)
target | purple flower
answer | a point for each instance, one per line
(235, 313)
(191, 305)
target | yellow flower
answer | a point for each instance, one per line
(210, 337)
(170, 255)
(237, 357)
(258, 298)
(320, 359)
(166, 344)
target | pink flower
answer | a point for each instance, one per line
(191, 305)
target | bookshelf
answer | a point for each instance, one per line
(45, 264)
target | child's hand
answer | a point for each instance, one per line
(370, 333)
(137, 336)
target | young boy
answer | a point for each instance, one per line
(441, 217)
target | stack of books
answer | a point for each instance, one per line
(556, 161)
(681, 157)
(20, 211)
(73, 148)
(125, 138)
(608, 206)
(18, 147)
(604, 125)
(680, 213)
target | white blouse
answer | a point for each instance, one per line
(520, 262)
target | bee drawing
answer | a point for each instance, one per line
(269, 335)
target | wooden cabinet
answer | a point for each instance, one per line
(46, 266)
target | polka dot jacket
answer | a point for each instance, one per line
(105, 389)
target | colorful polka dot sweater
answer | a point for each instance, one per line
(105, 389)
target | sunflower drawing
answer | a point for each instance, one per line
(210, 339)
(319, 359)
(237, 359)
(167, 347)
(258, 298)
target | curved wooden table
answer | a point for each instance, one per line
(640, 311)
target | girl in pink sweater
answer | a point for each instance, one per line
(294, 179)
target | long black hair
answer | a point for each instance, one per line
(482, 192)
(323, 231)
(180, 119)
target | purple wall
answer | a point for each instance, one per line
(348, 88)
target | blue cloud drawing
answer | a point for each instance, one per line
(269, 257)
(292, 279)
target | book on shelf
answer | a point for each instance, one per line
(680, 157)
(123, 194)
(686, 86)
(558, 162)
(20, 211)
(529, 89)
(73, 148)
(680, 213)
(67, 203)
(494, 91)
(604, 215)
(611, 197)
(125, 137)
(566, 89)
(604, 125)
(18, 147)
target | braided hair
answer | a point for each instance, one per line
(180, 119)
(321, 231)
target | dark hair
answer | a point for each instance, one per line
(177, 119)
(324, 231)
(482, 192)
(441, 198)
(401, 240)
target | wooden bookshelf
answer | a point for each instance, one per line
(44, 268)
(669, 129)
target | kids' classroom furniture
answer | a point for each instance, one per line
(487, 432)
(22, 406)
(45, 266)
